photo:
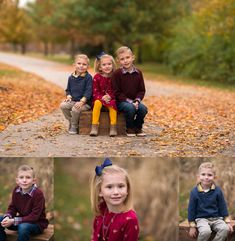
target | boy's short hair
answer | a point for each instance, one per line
(122, 50)
(26, 168)
(209, 165)
(82, 56)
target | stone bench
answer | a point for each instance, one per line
(184, 232)
(86, 119)
(47, 235)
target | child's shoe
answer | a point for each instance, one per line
(94, 130)
(130, 132)
(140, 133)
(113, 130)
(73, 130)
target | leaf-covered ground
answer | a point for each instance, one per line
(201, 124)
(182, 121)
(25, 97)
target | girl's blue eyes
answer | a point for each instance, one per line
(120, 186)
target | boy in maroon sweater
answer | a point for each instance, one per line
(129, 90)
(26, 212)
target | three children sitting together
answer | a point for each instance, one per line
(121, 89)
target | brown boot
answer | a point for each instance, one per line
(113, 130)
(94, 130)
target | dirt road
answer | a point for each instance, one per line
(47, 136)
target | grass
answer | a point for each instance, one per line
(152, 71)
(73, 212)
(155, 71)
(8, 72)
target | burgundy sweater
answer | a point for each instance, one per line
(128, 85)
(31, 209)
(119, 226)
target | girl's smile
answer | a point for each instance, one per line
(106, 65)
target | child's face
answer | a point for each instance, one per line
(206, 177)
(106, 65)
(126, 60)
(114, 191)
(81, 65)
(25, 180)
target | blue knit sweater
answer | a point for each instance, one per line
(206, 204)
(79, 87)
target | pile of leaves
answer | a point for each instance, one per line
(25, 97)
(202, 124)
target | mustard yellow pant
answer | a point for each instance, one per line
(96, 114)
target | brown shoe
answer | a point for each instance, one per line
(113, 130)
(140, 133)
(130, 132)
(94, 130)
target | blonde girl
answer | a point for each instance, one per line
(111, 200)
(103, 93)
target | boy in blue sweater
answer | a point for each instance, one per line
(78, 93)
(207, 209)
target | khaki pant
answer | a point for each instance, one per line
(71, 113)
(205, 227)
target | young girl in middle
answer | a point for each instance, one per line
(111, 200)
(103, 93)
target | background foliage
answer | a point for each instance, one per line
(44, 169)
(195, 38)
(155, 189)
(225, 178)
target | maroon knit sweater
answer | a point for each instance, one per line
(30, 208)
(129, 85)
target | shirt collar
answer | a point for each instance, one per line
(77, 75)
(200, 189)
(30, 192)
(133, 70)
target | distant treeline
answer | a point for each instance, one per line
(194, 38)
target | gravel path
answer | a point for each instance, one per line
(38, 138)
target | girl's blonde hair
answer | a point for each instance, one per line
(96, 182)
(97, 63)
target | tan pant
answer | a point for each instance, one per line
(71, 113)
(205, 227)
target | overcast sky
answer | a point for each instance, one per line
(23, 2)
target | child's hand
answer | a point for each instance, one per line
(136, 104)
(193, 232)
(7, 222)
(106, 98)
(68, 98)
(78, 104)
(230, 227)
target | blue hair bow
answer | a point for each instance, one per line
(100, 55)
(99, 169)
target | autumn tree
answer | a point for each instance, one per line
(15, 30)
(203, 44)
(41, 13)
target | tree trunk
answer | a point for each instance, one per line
(23, 48)
(139, 54)
(72, 48)
(45, 48)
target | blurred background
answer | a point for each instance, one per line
(44, 170)
(192, 38)
(155, 186)
(225, 167)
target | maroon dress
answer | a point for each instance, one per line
(111, 226)
(102, 86)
